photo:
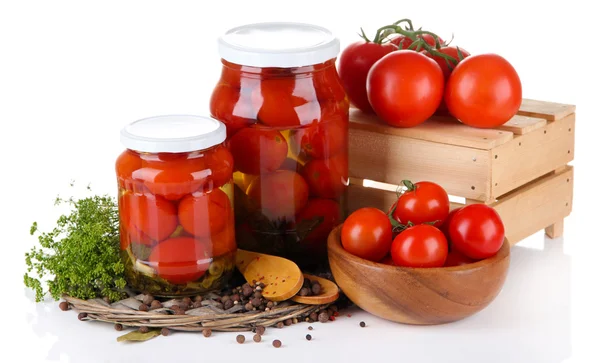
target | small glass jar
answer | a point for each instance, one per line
(286, 114)
(176, 205)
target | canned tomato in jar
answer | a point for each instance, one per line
(176, 205)
(286, 114)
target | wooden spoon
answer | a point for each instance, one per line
(282, 277)
(329, 292)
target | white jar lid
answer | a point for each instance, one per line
(278, 45)
(173, 134)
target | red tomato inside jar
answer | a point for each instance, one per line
(176, 205)
(286, 114)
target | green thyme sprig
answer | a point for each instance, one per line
(80, 256)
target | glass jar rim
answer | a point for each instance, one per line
(173, 133)
(278, 44)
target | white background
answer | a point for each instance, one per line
(72, 73)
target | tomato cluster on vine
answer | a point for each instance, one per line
(420, 230)
(406, 75)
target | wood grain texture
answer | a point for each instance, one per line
(438, 129)
(537, 205)
(532, 155)
(329, 292)
(520, 125)
(555, 230)
(550, 111)
(282, 277)
(422, 296)
(389, 159)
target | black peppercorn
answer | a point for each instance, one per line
(165, 332)
(207, 332)
(248, 306)
(362, 324)
(270, 304)
(247, 290)
(64, 306)
(82, 316)
(198, 298)
(277, 343)
(260, 330)
(148, 299)
(308, 337)
(316, 288)
(288, 322)
(280, 324)
(314, 316)
(323, 317)
(144, 329)
(310, 327)
(305, 291)
(258, 294)
(155, 304)
(143, 307)
(256, 338)
(240, 338)
(118, 327)
(228, 304)
(187, 300)
(235, 297)
(255, 302)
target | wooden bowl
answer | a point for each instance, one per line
(422, 296)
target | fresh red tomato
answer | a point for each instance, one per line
(327, 178)
(450, 51)
(220, 163)
(457, 259)
(403, 42)
(405, 88)
(355, 62)
(257, 151)
(280, 195)
(420, 246)
(180, 260)
(422, 202)
(367, 233)
(224, 242)
(152, 215)
(204, 214)
(484, 91)
(321, 140)
(287, 102)
(233, 107)
(327, 209)
(445, 226)
(477, 231)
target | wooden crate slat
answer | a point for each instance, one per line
(520, 125)
(532, 155)
(537, 205)
(550, 111)
(438, 129)
(389, 159)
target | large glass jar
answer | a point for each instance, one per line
(286, 114)
(176, 205)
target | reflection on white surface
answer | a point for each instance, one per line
(528, 322)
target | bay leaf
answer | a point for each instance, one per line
(130, 302)
(137, 336)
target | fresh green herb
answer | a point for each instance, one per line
(80, 256)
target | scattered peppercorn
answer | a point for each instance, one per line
(308, 337)
(362, 324)
(198, 298)
(155, 304)
(165, 332)
(280, 324)
(143, 307)
(310, 327)
(255, 302)
(323, 317)
(148, 299)
(314, 316)
(82, 316)
(187, 300)
(64, 306)
(260, 330)
(235, 297)
(118, 327)
(248, 306)
(247, 290)
(256, 338)
(277, 343)
(288, 322)
(270, 304)
(144, 329)
(304, 291)
(316, 288)
(257, 294)
(206, 332)
(240, 338)
(228, 304)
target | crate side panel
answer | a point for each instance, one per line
(550, 111)
(389, 159)
(536, 206)
(444, 130)
(532, 155)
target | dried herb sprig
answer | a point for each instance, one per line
(80, 256)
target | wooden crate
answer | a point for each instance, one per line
(520, 168)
